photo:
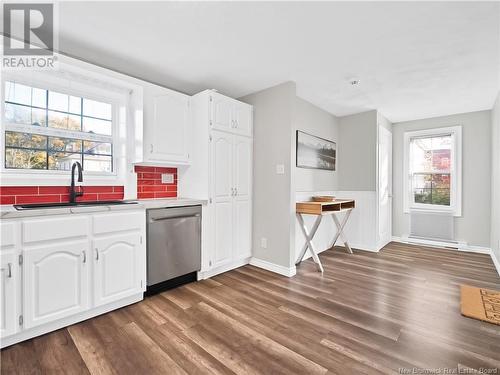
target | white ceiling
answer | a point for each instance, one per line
(414, 60)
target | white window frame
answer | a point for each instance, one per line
(455, 207)
(88, 86)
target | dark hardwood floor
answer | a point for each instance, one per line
(368, 314)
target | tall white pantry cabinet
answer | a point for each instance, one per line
(221, 173)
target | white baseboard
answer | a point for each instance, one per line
(276, 268)
(202, 275)
(496, 262)
(459, 246)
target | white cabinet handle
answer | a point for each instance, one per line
(9, 269)
(84, 256)
(151, 148)
(96, 253)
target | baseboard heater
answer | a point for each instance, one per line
(435, 227)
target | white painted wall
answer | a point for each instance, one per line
(474, 225)
(273, 198)
(357, 152)
(495, 182)
(313, 120)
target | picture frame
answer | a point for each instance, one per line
(314, 152)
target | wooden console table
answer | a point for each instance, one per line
(320, 209)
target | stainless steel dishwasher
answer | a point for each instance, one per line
(173, 247)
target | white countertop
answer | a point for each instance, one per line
(8, 211)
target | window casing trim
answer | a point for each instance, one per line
(117, 98)
(455, 207)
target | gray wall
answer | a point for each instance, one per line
(273, 196)
(315, 121)
(474, 225)
(495, 177)
(357, 152)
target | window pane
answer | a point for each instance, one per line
(38, 117)
(39, 98)
(75, 105)
(58, 102)
(26, 140)
(96, 147)
(17, 93)
(25, 159)
(441, 196)
(432, 154)
(421, 180)
(92, 125)
(93, 108)
(64, 121)
(423, 195)
(17, 114)
(65, 144)
(97, 163)
(62, 160)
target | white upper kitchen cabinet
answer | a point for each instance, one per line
(117, 267)
(167, 127)
(56, 278)
(230, 115)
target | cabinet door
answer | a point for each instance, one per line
(242, 168)
(242, 157)
(167, 126)
(222, 193)
(222, 113)
(117, 268)
(55, 281)
(8, 292)
(242, 247)
(242, 115)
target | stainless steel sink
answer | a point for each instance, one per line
(38, 206)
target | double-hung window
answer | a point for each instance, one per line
(49, 130)
(433, 170)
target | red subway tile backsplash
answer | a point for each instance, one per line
(55, 194)
(149, 185)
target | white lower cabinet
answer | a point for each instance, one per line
(55, 282)
(51, 282)
(8, 288)
(117, 268)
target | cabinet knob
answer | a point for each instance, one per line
(96, 253)
(151, 148)
(84, 256)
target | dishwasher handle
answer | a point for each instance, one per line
(153, 220)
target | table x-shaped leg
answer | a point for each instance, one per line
(309, 244)
(340, 230)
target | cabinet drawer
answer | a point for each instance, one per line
(8, 232)
(117, 222)
(55, 228)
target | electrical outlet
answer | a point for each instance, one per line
(167, 178)
(280, 169)
(263, 243)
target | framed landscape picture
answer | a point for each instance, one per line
(315, 152)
